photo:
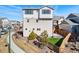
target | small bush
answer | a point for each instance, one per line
(32, 36)
(44, 38)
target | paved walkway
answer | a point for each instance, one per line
(27, 47)
(13, 46)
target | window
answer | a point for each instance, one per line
(25, 28)
(38, 29)
(46, 11)
(28, 11)
(37, 21)
(27, 20)
(33, 28)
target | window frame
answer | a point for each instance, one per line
(28, 11)
(38, 29)
(33, 28)
(25, 28)
(28, 20)
(46, 11)
(36, 21)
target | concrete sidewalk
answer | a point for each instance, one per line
(14, 47)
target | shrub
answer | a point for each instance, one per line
(44, 38)
(32, 36)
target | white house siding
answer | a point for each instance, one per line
(28, 16)
(46, 15)
(42, 24)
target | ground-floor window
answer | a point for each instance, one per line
(38, 29)
(25, 28)
(33, 28)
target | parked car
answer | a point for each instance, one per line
(3, 32)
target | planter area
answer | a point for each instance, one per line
(53, 40)
(54, 43)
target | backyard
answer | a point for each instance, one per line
(55, 41)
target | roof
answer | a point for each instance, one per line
(64, 22)
(77, 14)
(75, 20)
(74, 17)
(30, 9)
(36, 8)
(57, 17)
(70, 22)
(47, 6)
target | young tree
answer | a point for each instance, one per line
(44, 38)
(32, 36)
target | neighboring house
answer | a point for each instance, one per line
(3, 25)
(66, 25)
(71, 24)
(37, 20)
(75, 19)
(57, 18)
(21, 23)
(13, 23)
(5, 21)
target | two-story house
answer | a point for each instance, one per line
(37, 20)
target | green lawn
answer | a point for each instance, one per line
(53, 40)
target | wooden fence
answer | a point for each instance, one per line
(61, 32)
(66, 36)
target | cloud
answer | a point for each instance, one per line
(11, 12)
(62, 11)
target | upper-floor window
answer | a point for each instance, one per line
(28, 11)
(46, 11)
(38, 29)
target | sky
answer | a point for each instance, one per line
(14, 12)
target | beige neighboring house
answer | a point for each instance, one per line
(58, 19)
(21, 23)
(37, 20)
(14, 23)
